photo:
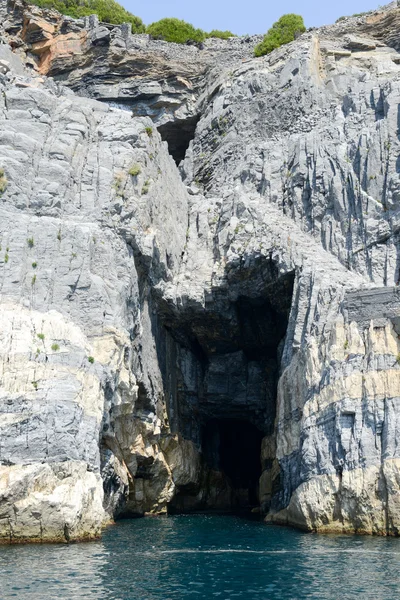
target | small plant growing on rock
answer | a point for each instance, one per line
(119, 184)
(34, 265)
(91, 359)
(346, 344)
(55, 347)
(146, 187)
(59, 235)
(41, 336)
(35, 384)
(6, 257)
(135, 170)
(3, 181)
(30, 242)
(149, 131)
(34, 280)
(398, 359)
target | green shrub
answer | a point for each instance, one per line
(281, 32)
(361, 14)
(175, 30)
(34, 265)
(34, 280)
(108, 11)
(149, 131)
(91, 359)
(30, 242)
(6, 257)
(222, 35)
(55, 347)
(41, 336)
(135, 170)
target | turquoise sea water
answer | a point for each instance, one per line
(204, 557)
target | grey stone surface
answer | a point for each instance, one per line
(256, 282)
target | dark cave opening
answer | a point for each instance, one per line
(233, 447)
(178, 134)
(225, 396)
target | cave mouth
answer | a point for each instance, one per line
(178, 134)
(233, 448)
(231, 470)
(224, 397)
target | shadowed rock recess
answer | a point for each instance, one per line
(199, 269)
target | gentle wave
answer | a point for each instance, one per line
(322, 552)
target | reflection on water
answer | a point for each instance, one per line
(204, 557)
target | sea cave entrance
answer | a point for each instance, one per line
(225, 396)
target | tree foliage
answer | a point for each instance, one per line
(175, 30)
(222, 35)
(108, 11)
(281, 32)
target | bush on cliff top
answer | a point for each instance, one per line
(175, 30)
(281, 32)
(222, 35)
(180, 32)
(108, 11)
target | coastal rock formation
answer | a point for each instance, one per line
(219, 334)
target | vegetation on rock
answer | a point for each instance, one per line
(175, 30)
(181, 32)
(222, 35)
(3, 181)
(108, 11)
(135, 170)
(361, 14)
(281, 32)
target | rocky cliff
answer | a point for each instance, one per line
(198, 276)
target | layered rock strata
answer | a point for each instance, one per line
(147, 310)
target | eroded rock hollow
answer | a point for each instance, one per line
(199, 269)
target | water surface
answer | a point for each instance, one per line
(204, 557)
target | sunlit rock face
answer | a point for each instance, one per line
(219, 335)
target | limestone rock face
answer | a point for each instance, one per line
(134, 72)
(150, 314)
(76, 229)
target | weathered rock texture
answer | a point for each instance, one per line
(157, 321)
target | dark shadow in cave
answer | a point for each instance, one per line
(178, 134)
(233, 447)
(223, 398)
